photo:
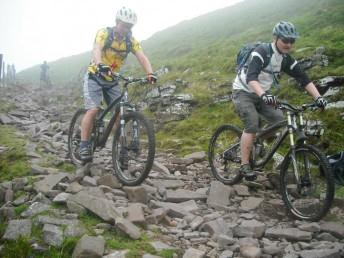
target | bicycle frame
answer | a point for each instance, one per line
(293, 128)
(123, 102)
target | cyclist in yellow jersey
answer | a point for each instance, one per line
(110, 50)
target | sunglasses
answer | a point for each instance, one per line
(288, 40)
(126, 25)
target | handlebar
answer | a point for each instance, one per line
(286, 106)
(128, 79)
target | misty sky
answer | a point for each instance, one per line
(37, 30)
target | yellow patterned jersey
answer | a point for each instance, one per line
(115, 55)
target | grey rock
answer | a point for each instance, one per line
(219, 195)
(61, 198)
(49, 182)
(196, 156)
(194, 253)
(251, 203)
(291, 234)
(216, 227)
(241, 190)
(129, 228)
(89, 181)
(109, 180)
(250, 228)
(35, 209)
(102, 207)
(335, 229)
(250, 252)
(168, 184)
(159, 246)
(324, 253)
(89, 246)
(226, 254)
(181, 195)
(178, 210)
(17, 228)
(135, 213)
(136, 194)
(52, 235)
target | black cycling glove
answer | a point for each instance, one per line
(152, 78)
(321, 102)
(102, 68)
(269, 99)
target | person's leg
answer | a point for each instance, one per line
(109, 96)
(245, 104)
(92, 98)
(87, 123)
(246, 143)
(270, 114)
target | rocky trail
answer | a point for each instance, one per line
(180, 206)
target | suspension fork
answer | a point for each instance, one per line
(305, 158)
(123, 137)
(291, 125)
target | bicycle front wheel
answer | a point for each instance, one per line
(133, 150)
(307, 183)
(224, 154)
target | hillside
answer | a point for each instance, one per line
(206, 47)
(219, 32)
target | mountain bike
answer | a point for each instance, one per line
(133, 145)
(306, 180)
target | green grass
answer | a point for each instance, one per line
(21, 248)
(13, 162)
(6, 106)
(136, 248)
(340, 192)
(18, 210)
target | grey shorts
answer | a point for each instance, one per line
(94, 93)
(250, 108)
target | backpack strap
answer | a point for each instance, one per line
(128, 44)
(110, 38)
(269, 51)
(267, 48)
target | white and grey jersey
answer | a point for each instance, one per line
(265, 65)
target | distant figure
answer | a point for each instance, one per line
(13, 72)
(9, 76)
(44, 79)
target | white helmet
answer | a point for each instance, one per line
(126, 15)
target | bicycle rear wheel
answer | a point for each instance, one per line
(224, 154)
(308, 197)
(133, 152)
(74, 137)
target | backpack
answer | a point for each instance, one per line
(110, 39)
(245, 52)
(337, 165)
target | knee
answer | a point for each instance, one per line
(92, 112)
(251, 129)
(251, 126)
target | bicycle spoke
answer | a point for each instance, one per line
(225, 155)
(136, 151)
(74, 137)
(308, 192)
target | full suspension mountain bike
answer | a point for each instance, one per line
(133, 145)
(306, 180)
